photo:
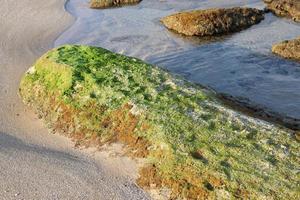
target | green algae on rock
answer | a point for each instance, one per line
(194, 145)
(289, 49)
(111, 3)
(285, 8)
(213, 21)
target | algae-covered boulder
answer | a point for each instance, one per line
(288, 49)
(194, 144)
(213, 21)
(285, 8)
(111, 3)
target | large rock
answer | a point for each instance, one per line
(111, 3)
(285, 8)
(288, 49)
(213, 21)
(197, 146)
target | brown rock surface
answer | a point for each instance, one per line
(213, 21)
(288, 49)
(285, 8)
(111, 3)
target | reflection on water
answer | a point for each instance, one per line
(239, 64)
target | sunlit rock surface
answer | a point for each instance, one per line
(213, 21)
(288, 49)
(194, 144)
(285, 8)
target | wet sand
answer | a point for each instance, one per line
(33, 163)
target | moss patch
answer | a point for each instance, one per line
(194, 144)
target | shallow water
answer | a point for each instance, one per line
(239, 64)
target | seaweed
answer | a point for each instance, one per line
(194, 144)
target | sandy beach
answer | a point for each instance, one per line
(33, 163)
(207, 137)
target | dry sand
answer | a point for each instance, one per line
(33, 163)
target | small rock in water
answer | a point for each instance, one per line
(285, 8)
(213, 21)
(288, 49)
(111, 3)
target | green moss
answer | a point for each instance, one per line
(180, 118)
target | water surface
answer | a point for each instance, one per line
(239, 64)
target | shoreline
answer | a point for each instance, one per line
(34, 163)
(260, 112)
(255, 107)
